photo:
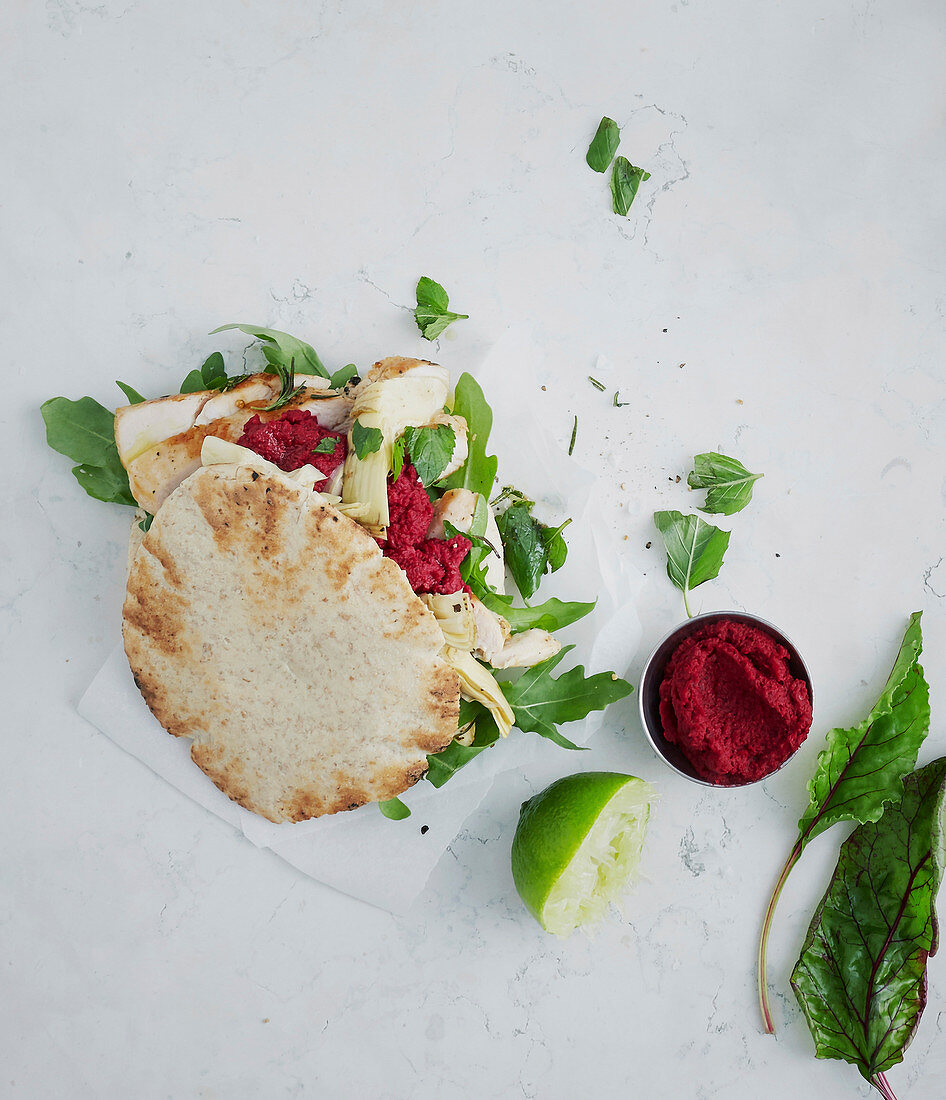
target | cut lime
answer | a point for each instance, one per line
(576, 846)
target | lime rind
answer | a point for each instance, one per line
(603, 864)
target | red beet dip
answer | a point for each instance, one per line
(731, 705)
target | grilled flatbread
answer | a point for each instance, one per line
(267, 627)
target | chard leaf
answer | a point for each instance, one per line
(82, 430)
(861, 977)
(431, 314)
(365, 440)
(444, 765)
(862, 767)
(281, 349)
(551, 616)
(343, 376)
(430, 449)
(394, 808)
(479, 471)
(625, 180)
(695, 550)
(727, 482)
(134, 397)
(541, 702)
(603, 145)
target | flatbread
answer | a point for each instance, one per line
(269, 628)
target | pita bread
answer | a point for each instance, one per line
(269, 628)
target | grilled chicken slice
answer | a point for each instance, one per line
(457, 506)
(526, 649)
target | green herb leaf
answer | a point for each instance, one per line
(365, 440)
(597, 385)
(288, 390)
(861, 977)
(555, 546)
(431, 314)
(531, 548)
(571, 442)
(281, 349)
(541, 703)
(603, 145)
(343, 376)
(444, 765)
(145, 524)
(551, 616)
(695, 550)
(325, 446)
(618, 404)
(397, 456)
(193, 383)
(625, 180)
(479, 471)
(213, 370)
(82, 430)
(108, 483)
(134, 397)
(727, 481)
(431, 450)
(394, 808)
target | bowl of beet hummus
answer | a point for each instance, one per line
(726, 699)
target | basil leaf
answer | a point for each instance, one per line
(541, 703)
(394, 808)
(431, 314)
(603, 145)
(444, 765)
(325, 446)
(281, 349)
(365, 440)
(861, 976)
(431, 450)
(82, 430)
(727, 482)
(479, 471)
(551, 616)
(695, 550)
(134, 397)
(343, 376)
(527, 556)
(213, 369)
(625, 180)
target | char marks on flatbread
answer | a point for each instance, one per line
(269, 628)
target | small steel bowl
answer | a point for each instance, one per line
(649, 695)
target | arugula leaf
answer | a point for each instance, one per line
(343, 376)
(394, 808)
(532, 548)
(134, 397)
(861, 976)
(431, 314)
(213, 369)
(145, 524)
(695, 550)
(471, 570)
(551, 616)
(860, 770)
(625, 180)
(193, 383)
(603, 145)
(365, 440)
(555, 545)
(397, 456)
(479, 471)
(82, 430)
(430, 449)
(325, 446)
(727, 481)
(281, 349)
(444, 765)
(540, 702)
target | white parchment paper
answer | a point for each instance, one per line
(362, 853)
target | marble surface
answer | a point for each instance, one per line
(776, 292)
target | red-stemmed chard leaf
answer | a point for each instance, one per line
(860, 770)
(861, 976)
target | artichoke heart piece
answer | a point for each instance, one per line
(454, 613)
(477, 683)
(393, 395)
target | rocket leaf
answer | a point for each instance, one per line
(444, 765)
(727, 482)
(134, 397)
(479, 471)
(84, 431)
(394, 808)
(861, 977)
(552, 615)
(695, 550)
(281, 349)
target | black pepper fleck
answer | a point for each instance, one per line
(424, 828)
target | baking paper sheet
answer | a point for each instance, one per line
(362, 853)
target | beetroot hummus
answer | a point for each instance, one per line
(290, 440)
(730, 703)
(431, 565)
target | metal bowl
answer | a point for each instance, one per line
(653, 674)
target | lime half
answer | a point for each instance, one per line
(576, 846)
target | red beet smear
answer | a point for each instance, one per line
(729, 701)
(431, 565)
(289, 442)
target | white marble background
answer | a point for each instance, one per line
(170, 166)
